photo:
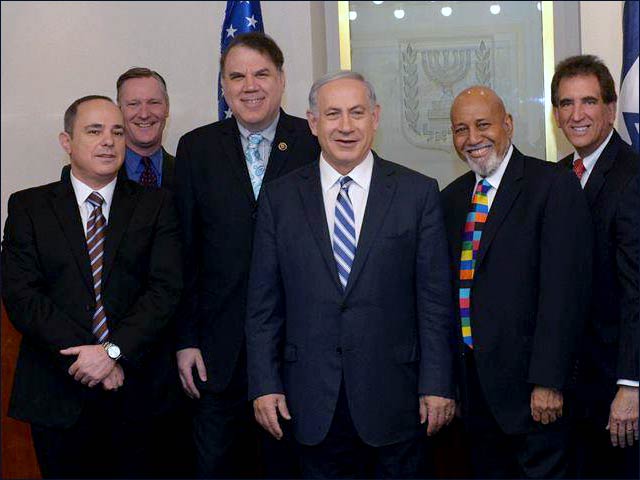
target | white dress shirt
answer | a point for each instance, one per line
(495, 178)
(83, 191)
(358, 190)
(590, 160)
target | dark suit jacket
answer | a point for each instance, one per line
(389, 335)
(611, 341)
(48, 293)
(168, 171)
(531, 283)
(218, 210)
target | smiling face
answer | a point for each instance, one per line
(345, 123)
(582, 114)
(96, 144)
(481, 128)
(253, 87)
(145, 109)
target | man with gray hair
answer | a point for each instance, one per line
(349, 315)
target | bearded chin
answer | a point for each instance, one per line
(484, 167)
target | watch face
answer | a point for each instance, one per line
(113, 351)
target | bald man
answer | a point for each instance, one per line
(520, 254)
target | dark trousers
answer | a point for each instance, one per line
(342, 454)
(541, 453)
(228, 441)
(597, 458)
(101, 444)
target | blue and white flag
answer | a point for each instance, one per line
(239, 17)
(628, 103)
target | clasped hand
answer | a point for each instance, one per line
(93, 366)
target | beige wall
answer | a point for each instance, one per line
(54, 52)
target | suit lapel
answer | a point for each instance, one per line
(507, 193)
(603, 165)
(233, 150)
(167, 170)
(122, 207)
(283, 143)
(313, 204)
(65, 207)
(381, 191)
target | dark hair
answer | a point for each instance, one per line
(259, 42)
(72, 111)
(141, 72)
(580, 65)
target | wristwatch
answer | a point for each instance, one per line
(112, 350)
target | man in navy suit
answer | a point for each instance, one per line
(349, 314)
(584, 101)
(520, 252)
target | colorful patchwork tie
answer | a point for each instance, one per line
(344, 232)
(95, 245)
(255, 164)
(476, 218)
(578, 168)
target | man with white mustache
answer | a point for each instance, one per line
(521, 263)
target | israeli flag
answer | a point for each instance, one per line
(628, 104)
(239, 17)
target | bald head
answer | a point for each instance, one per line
(482, 129)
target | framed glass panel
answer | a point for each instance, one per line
(420, 55)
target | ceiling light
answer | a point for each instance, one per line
(446, 11)
(398, 13)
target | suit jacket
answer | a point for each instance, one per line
(218, 211)
(49, 296)
(388, 336)
(531, 283)
(611, 342)
(168, 171)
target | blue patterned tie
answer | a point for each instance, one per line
(254, 162)
(344, 232)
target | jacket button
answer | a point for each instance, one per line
(254, 215)
(339, 350)
(343, 307)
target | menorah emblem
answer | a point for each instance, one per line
(446, 67)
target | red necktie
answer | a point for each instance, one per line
(578, 168)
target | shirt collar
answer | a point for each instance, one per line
(268, 133)
(496, 177)
(82, 190)
(590, 160)
(361, 173)
(133, 160)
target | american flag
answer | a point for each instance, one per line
(628, 103)
(239, 17)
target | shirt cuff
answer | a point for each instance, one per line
(628, 383)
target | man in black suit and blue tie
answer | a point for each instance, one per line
(584, 100)
(349, 315)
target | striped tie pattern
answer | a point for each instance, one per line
(344, 232)
(95, 246)
(476, 218)
(254, 162)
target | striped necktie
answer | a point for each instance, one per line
(579, 168)
(95, 245)
(255, 164)
(344, 232)
(476, 218)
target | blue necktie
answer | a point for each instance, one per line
(344, 232)
(254, 162)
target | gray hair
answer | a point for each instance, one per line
(330, 77)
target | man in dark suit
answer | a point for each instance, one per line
(349, 315)
(143, 98)
(219, 172)
(584, 101)
(521, 258)
(92, 276)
